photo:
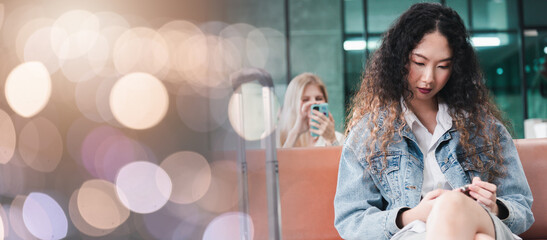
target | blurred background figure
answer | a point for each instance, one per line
(299, 125)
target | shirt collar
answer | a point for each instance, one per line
(443, 118)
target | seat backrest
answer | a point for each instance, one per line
(533, 155)
(307, 180)
(307, 183)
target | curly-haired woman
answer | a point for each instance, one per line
(427, 155)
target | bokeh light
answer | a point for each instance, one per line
(176, 33)
(257, 48)
(40, 145)
(190, 58)
(31, 28)
(200, 113)
(99, 205)
(190, 174)
(44, 217)
(143, 187)
(85, 95)
(215, 59)
(75, 136)
(1, 14)
(12, 179)
(99, 54)
(224, 59)
(163, 224)
(98, 85)
(81, 30)
(275, 53)
(228, 226)
(115, 152)
(27, 30)
(139, 101)
(213, 27)
(4, 224)
(92, 99)
(237, 34)
(38, 48)
(8, 137)
(222, 194)
(186, 230)
(16, 19)
(102, 100)
(16, 218)
(108, 19)
(28, 88)
(80, 223)
(252, 113)
(88, 65)
(188, 214)
(141, 50)
(105, 150)
(111, 33)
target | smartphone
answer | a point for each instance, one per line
(323, 108)
(465, 190)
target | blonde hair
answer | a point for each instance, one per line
(291, 105)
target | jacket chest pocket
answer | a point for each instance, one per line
(386, 175)
(478, 162)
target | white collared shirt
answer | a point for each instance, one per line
(433, 177)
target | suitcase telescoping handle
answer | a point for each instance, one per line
(272, 181)
(246, 75)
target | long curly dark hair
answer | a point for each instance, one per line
(385, 83)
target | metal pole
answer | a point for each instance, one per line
(272, 168)
(470, 14)
(365, 29)
(288, 40)
(522, 60)
(242, 174)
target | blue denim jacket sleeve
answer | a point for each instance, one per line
(358, 205)
(513, 190)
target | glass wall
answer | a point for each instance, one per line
(536, 73)
(535, 42)
(495, 33)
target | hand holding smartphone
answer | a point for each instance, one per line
(323, 108)
(465, 190)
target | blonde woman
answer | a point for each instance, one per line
(296, 118)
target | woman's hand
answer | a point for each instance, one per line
(324, 125)
(302, 119)
(422, 210)
(424, 207)
(301, 124)
(484, 193)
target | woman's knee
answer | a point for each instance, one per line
(451, 202)
(456, 209)
(483, 236)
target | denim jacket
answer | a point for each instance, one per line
(368, 198)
